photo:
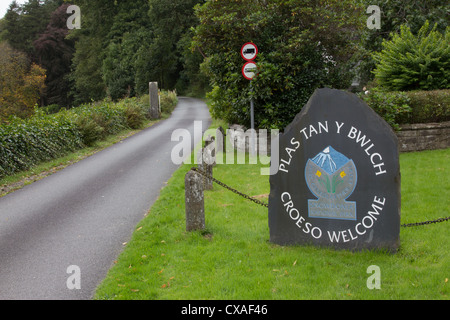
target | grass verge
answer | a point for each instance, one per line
(233, 259)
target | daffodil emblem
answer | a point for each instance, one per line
(331, 177)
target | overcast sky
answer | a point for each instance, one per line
(4, 5)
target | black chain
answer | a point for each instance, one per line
(230, 188)
(425, 222)
(266, 205)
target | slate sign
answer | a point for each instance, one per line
(338, 180)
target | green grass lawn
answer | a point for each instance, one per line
(233, 259)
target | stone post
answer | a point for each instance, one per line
(205, 164)
(154, 101)
(194, 201)
(220, 134)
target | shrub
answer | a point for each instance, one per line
(410, 106)
(409, 62)
(169, 101)
(90, 130)
(135, 113)
(389, 105)
(26, 142)
(427, 106)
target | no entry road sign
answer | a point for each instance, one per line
(249, 51)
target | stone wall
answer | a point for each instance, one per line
(411, 137)
(424, 136)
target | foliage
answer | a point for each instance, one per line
(168, 100)
(302, 45)
(409, 62)
(171, 21)
(26, 142)
(410, 106)
(90, 41)
(427, 106)
(55, 54)
(20, 83)
(129, 31)
(123, 45)
(394, 13)
(389, 105)
(86, 74)
(24, 23)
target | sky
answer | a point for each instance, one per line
(4, 5)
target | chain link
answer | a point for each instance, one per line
(266, 205)
(425, 222)
(230, 188)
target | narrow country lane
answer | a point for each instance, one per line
(81, 216)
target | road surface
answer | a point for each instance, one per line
(82, 215)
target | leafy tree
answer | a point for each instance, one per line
(130, 31)
(97, 17)
(20, 83)
(55, 53)
(409, 62)
(24, 23)
(171, 21)
(302, 45)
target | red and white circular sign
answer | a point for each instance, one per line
(249, 51)
(249, 70)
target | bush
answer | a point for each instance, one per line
(427, 106)
(409, 62)
(169, 101)
(26, 142)
(389, 105)
(90, 130)
(135, 113)
(410, 106)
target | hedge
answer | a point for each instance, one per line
(409, 107)
(27, 142)
(427, 106)
(24, 143)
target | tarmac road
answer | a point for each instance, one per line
(82, 215)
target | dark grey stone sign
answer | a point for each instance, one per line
(338, 180)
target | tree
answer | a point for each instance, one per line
(55, 53)
(302, 45)
(409, 62)
(394, 14)
(21, 83)
(90, 41)
(130, 31)
(24, 23)
(171, 21)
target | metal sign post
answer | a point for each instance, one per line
(249, 51)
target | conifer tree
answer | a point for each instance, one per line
(415, 62)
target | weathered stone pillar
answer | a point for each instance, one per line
(154, 101)
(220, 133)
(194, 201)
(205, 164)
